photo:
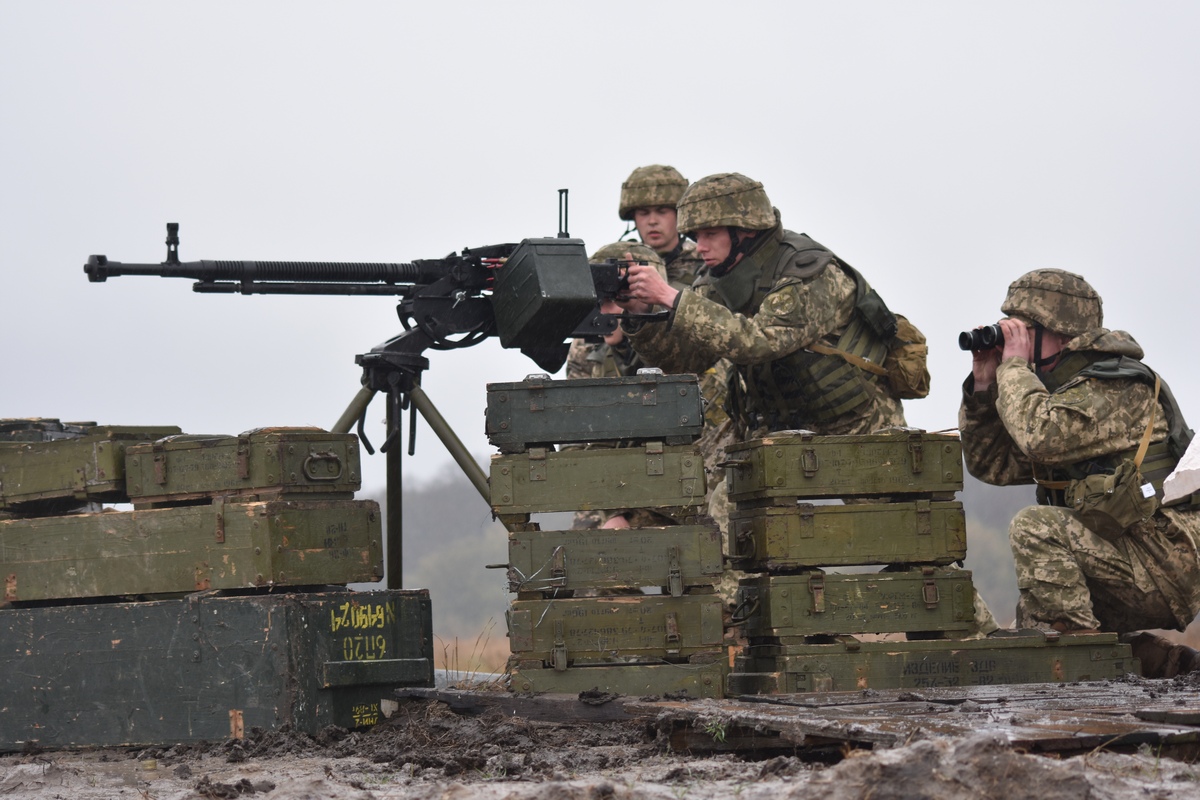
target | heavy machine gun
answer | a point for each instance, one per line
(532, 295)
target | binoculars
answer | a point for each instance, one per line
(984, 338)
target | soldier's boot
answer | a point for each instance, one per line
(1161, 658)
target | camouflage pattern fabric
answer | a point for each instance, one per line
(1056, 299)
(795, 313)
(728, 199)
(655, 185)
(683, 265)
(1066, 573)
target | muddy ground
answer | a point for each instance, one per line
(429, 751)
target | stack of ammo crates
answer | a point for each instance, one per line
(217, 604)
(807, 629)
(642, 431)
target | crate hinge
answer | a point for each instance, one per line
(674, 574)
(558, 656)
(673, 638)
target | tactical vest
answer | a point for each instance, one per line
(1161, 457)
(804, 386)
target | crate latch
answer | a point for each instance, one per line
(537, 463)
(930, 589)
(924, 518)
(917, 450)
(808, 524)
(816, 587)
(673, 638)
(537, 397)
(558, 569)
(654, 458)
(674, 574)
(809, 461)
(160, 463)
(243, 457)
(558, 657)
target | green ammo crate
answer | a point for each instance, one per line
(921, 600)
(807, 535)
(177, 550)
(208, 667)
(851, 665)
(673, 557)
(87, 464)
(539, 411)
(799, 464)
(267, 461)
(652, 475)
(565, 632)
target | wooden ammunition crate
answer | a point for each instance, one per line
(41, 429)
(850, 665)
(268, 461)
(779, 469)
(81, 464)
(703, 676)
(674, 558)
(818, 603)
(540, 412)
(566, 632)
(652, 475)
(208, 667)
(806, 535)
(173, 550)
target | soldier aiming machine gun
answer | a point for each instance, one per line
(533, 295)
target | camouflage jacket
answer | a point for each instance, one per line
(683, 265)
(599, 360)
(802, 302)
(1018, 425)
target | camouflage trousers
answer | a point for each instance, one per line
(1067, 574)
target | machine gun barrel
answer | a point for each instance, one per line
(281, 277)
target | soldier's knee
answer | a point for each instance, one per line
(1035, 524)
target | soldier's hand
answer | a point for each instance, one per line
(1018, 341)
(648, 286)
(983, 367)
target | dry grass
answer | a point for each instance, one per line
(465, 659)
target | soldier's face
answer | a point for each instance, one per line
(713, 245)
(657, 227)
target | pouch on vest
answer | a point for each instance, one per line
(907, 372)
(1109, 505)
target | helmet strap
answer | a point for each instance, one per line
(1039, 363)
(737, 246)
(629, 228)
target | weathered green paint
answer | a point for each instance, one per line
(674, 558)
(854, 666)
(798, 465)
(808, 535)
(280, 461)
(815, 603)
(208, 667)
(539, 412)
(168, 550)
(89, 466)
(652, 475)
(633, 680)
(565, 632)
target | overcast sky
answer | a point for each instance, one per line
(942, 148)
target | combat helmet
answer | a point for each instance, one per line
(639, 251)
(1058, 300)
(724, 200)
(655, 185)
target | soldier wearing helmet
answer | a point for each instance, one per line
(1068, 404)
(648, 200)
(806, 333)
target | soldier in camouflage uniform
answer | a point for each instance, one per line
(1063, 398)
(806, 334)
(782, 308)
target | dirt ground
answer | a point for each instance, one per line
(428, 751)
